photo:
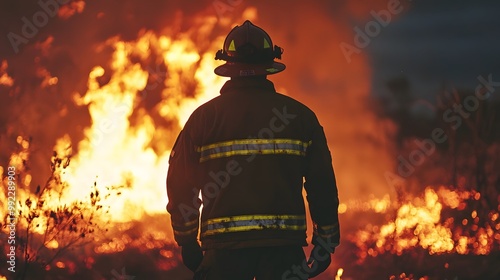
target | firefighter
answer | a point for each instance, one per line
(250, 151)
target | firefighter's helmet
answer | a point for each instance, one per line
(248, 51)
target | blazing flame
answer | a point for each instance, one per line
(420, 222)
(124, 147)
(115, 152)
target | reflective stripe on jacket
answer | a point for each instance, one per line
(253, 222)
(253, 146)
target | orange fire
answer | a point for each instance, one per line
(117, 151)
(124, 150)
(114, 152)
(419, 222)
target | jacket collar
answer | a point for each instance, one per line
(248, 85)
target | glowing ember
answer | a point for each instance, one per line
(340, 271)
(5, 79)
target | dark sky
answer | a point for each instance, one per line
(438, 44)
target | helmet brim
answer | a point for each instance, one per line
(232, 69)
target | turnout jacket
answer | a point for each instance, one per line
(250, 151)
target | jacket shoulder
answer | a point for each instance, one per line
(294, 103)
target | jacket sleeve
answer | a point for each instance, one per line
(322, 193)
(182, 190)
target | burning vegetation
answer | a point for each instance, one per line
(98, 120)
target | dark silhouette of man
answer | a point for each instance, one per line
(251, 151)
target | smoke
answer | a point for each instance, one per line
(319, 74)
(52, 67)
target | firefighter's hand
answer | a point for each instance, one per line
(192, 255)
(319, 260)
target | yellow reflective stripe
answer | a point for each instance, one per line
(254, 217)
(253, 146)
(189, 232)
(253, 141)
(326, 228)
(254, 227)
(184, 229)
(249, 152)
(253, 222)
(327, 234)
